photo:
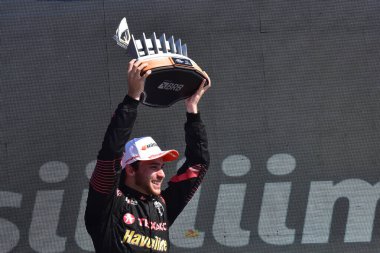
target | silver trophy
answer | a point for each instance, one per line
(174, 75)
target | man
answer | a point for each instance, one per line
(127, 211)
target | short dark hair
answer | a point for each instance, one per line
(123, 174)
(135, 165)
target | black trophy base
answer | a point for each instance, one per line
(164, 87)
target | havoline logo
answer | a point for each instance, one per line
(167, 85)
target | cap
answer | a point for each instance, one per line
(145, 149)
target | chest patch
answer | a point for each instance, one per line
(159, 207)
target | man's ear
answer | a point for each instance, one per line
(129, 170)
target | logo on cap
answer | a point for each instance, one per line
(149, 146)
(145, 148)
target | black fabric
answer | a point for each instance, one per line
(128, 221)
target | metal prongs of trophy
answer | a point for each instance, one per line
(174, 75)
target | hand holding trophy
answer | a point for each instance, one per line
(174, 76)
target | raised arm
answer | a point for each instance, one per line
(104, 179)
(184, 184)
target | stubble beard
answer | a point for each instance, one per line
(146, 185)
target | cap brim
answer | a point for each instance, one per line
(167, 156)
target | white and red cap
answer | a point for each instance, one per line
(145, 149)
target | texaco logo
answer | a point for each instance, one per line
(129, 218)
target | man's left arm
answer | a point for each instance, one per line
(185, 183)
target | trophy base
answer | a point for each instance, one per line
(172, 79)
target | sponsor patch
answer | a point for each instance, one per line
(131, 201)
(157, 226)
(129, 218)
(156, 243)
(159, 207)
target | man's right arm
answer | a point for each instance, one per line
(104, 179)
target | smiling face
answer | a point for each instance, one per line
(148, 177)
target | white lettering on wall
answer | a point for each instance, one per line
(226, 227)
(9, 233)
(227, 230)
(274, 207)
(43, 236)
(362, 197)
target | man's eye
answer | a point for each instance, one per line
(157, 167)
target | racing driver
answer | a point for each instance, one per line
(126, 210)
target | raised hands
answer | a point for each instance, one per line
(192, 102)
(136, 80)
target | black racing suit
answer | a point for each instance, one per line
(120, 219)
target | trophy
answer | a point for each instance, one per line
(174, 75)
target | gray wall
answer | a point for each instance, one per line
(293, 119)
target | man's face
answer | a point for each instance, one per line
(149, 176)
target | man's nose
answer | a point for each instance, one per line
(161, 174)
